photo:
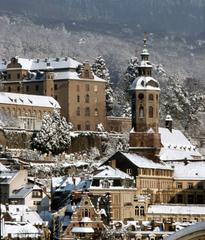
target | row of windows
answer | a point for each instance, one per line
(27, 88)
(189, 185)
(86, 98)
(156, 172)
(87, 88)
(86, 112)
(155, 184)
(150, 97)
(190, 199)
(18, 76)
(139, 211)
(150, 112)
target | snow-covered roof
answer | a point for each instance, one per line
(55, 63)
(7, 177)
(28, 100)
(143, 162)
(109, 172)
(177, 209)
(176, 146)
(145, 64)
(82, 230)
(22, 193)
(145, 83)
(3, 65)
(3, 168)
(192, 170)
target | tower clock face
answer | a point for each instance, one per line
(141, 96)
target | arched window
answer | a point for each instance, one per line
(87, 111)
(151, 97)
(137, 211)
(141, 96)
(142, 211)
(151, 112)
(141, 112)
(87, 98)
(96, 112)
(86, 212)
(78, 111)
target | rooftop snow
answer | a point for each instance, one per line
(22, 193)
(109, 172)
(82, 230)
(190, 171)
(3, 168)
(143, 162)
(28, 100)
(176, 146)
(177, 209)
(40, 64)
(145, 83)
(6, 177)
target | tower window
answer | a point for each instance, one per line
(87, 111)
(141, 96)
(78, 111)
(151, 97)
(78, 98)
(87, 98)
(141, 112)
(151, 112)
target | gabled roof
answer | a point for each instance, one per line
(112, 173)
(143, 162)
(176, 146)
(7, 177)
(28, 100)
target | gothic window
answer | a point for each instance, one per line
(151, 112)
(86, 212)
(87, 111)
(78, 111)
(151, 97)
(87, 98)
(142, 211)
(137, 213)
(141, 112)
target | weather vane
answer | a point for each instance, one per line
(145, 38)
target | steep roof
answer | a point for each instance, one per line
(176, 146)
(28, 100)
(143, 162)
(109, 172)
(145, 83)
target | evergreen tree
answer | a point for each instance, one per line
(99, 68)
(130, 75)
(54, 135)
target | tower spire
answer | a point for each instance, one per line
(145, 40)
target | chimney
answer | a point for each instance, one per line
(168, 122)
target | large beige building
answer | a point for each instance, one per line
(79, 92)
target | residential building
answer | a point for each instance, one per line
(79, 92)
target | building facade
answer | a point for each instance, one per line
(79, 92)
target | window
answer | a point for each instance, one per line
(96, 112)
(37, 87)
(199, 199)
(78, 98)
(190, 199)
(9, 89)
(179, 185)
(141, 96)
(27, 88)
(18, 89)
(179, 198)
(141, 112)
(18, 75)
(78, 127)
(129, 171)
(9, 76)
(87, 98)
(151, 112)
(37, 194)
(78, 111)
(55, 86)
(142, 211)
(190, 185)
(87, 111)
(105, 184)
(36, 203)
(95, 88)
(85, 212)
(137, 212)
(151, 97)
(87, 87)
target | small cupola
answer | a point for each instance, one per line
(168, 122)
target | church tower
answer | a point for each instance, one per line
(144, 91)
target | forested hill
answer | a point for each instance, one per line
(114, 16)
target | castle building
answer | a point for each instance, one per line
(25, 111)
(80, 93)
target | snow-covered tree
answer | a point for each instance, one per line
(130, 74)
(54, 135)
(100, 69)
